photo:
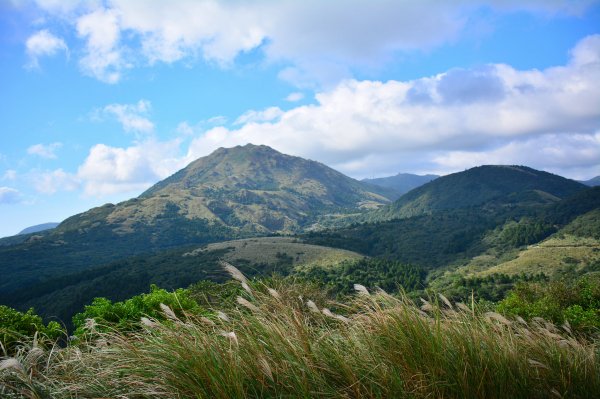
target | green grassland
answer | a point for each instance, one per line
(272, 250)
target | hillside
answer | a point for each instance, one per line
(64, 295)
(489, 186)
(233, 193)
(402, 182)
(482, 235)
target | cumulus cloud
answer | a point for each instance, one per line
(109, 170)
(549, 119)
(43, 44)
(266, 115)
(295, 96)
(103, 57)
(317, 41)
(49, 182)
(396, 123)
(133, 117)
(47, 151)
(9, 195)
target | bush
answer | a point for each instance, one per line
(125, 316)
(577, 302)
(16, 327)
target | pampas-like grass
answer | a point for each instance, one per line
(376, 346)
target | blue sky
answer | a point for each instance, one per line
(101, 99)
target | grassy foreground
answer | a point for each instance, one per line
(283, 342)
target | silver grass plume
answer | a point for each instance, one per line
(234, 272)
(361, 289)
(446, 301)
(11, 363)
(274, 293)
(231, 335)
(498, 317)
(148, 323)
(329, 313)
(169, 312)
(311, 305)
(246, 303)
(223, 316)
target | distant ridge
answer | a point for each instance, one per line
(594, 181)
(402, 182)
(488, 184)
(38, 227)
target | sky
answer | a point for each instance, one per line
(101, 99)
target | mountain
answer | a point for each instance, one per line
(489, 186)
(402, 182)
(38, 227)
(232, 193)
(458, 217)
(594, 181)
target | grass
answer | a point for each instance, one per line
(552, 256)
(276, 345)
(268, 250)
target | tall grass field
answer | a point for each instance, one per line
(286, 340)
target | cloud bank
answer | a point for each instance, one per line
(548, 119)
(315, 42)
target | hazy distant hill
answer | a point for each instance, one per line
(490, 185)
(39, 227)
(232, 193)
(595, 181)
(402, 182)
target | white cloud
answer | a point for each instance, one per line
(548, 119)
(404, 126)
(43, 43)
(294, 97)
(571, 155)
(266, 115)
(9, 195)
(109, 170)
(47, 151)
(318, 42)
(132, 116)
(103, 57)
(49, 182)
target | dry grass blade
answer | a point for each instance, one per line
(274, 293)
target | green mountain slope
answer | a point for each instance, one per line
(442, 237)
(233, 193)
(402, 182)
(63, 296)
(490, 185)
